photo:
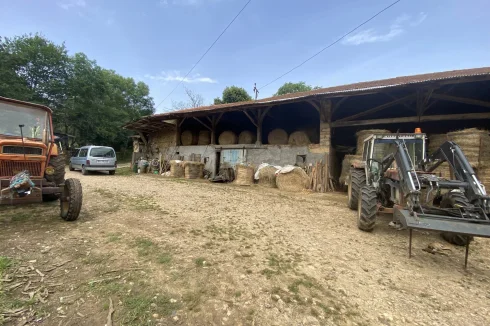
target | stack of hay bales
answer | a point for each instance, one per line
(435, 141)
(176, 169)
(294, 180)
(267, 176)
(204, 137)
(363, 134)
(244, 175)
(346, 164)
(227, 138)
(278, 137)
(193, 170)
(188, 138)
(247, 137)
(299, 138)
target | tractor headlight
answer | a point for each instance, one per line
(49, 170)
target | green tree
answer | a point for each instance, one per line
(233, 94)
(289, 87)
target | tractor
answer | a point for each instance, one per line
(29, 149)
(396, 177)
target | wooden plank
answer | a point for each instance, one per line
(205, 125)
(435, 101)
(251, 119)
(463, 116)
(463, 100)
(378, 108)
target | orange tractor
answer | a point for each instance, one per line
(28, 150)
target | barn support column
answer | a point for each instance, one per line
(214, 122)
(261, 113)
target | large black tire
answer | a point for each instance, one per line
(70, 167)
(71, 200)
(367, 208)
(112, 172)
(357, 180)
(455, 199)
(58, 163)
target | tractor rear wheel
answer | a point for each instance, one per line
(58, 163)
(71, 200)
(455, 199)
(367, 208)
(357, 179)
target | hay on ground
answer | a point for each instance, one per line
(346, 164)
(188, 138)
(176, 169)
(363, 134)
(193, 170)
(267, 176)
(227, 138)
(296, 180)
(204, 137)
(247, 137)
(244, 175)
(278, 137)
(299, 138)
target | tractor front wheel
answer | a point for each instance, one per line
(357, 179)
(455, 199)
(58, 163)
(367, 208)
(71, 200)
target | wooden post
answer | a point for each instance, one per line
(260, 119)
(177, 132)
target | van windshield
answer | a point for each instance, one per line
(102, 152)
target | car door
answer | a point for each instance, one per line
(82, 157)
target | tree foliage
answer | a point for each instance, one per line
(194, 100)
(232, 94)
(288, 88)
(88, 101)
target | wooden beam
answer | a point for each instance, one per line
(313, 104)
(337, 105)
(264, 112)
(250, 117)
(393, 97)
(463, 100)
(219, 117)
(445, 92)
(205, 125)
(181, 122)
(177, 132)
(378, 108)
(143, 138)
(427, 118)
(209, 119)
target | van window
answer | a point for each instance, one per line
(102, 152)
(83, 152)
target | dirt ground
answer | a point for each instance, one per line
(179, 252)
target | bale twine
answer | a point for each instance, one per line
(247, 137)
(227, 138)
(346, 164)
(176, 169)
(278, 137)
(193, 170)
(188, 138)
(299, 138)
(475, 145)
(435, 141)
(244, 175)
(363, 134)
(296, 180)
(267, 176)
(204, 137)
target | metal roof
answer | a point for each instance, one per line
(447, 77)
(11, 100)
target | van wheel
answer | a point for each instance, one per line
(71, 200)
(112, 172)
(70, 167)
(84, 171)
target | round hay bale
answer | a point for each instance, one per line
(296, 180)
(247, 137)
(176, 169)
(346, 164)
(193, 170)
(188, 138)
(299, 138)
(267, 177)
(227, 138)
(363, 134)
(204, 137)
(278, 137)
(244, 175)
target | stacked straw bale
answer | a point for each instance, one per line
(299, 138)
(204, 137)
(267, 176)
(247, 137)
(193, 170)
(435, 141)
(227, 138)
(188, 138)
(278, 137)
(474, 144)
(296, 180)
(363, 134)
(346, 164)
(244, 175)
(176, 169)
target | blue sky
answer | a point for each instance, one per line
(158, 41)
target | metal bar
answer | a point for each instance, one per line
(410, 244)
(467, 252)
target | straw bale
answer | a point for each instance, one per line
(247, 137)
(346, 164)
(267, 176)
(188, 138)
(278, 137)
(244, 175)
(363, 134)
(299, 138)
(204, 137)
(227, 138)
(296, 180)
(475, 144)
(176, 169)
(193, 170)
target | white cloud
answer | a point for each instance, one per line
(397, 28)
(176, 76)
(68, 4)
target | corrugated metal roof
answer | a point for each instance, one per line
(358, 88)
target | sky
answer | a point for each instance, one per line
(158, 41)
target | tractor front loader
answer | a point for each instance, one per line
(396, 177)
